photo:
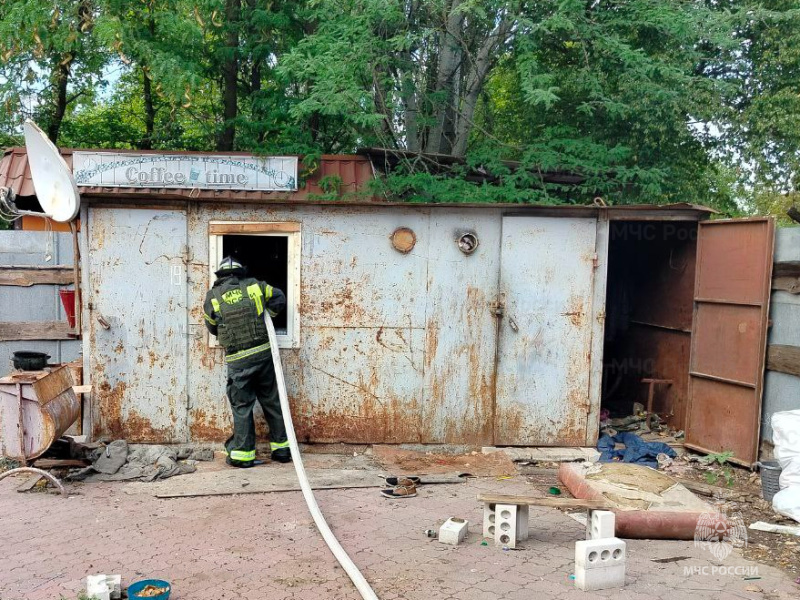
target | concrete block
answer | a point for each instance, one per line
(600, 579)
(454, 531)
(600, 525)
(104, 587)
(97, 587)
(600, 564)
(523, 517)
(114, 583)
(488, 520)
(505, 530)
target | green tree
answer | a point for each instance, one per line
(49, 57)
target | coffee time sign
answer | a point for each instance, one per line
(204, 171)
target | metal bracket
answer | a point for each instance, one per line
(499, 306)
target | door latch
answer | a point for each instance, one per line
(498, 306)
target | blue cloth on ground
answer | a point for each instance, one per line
(636, 451)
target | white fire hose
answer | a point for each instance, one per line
(335, 547)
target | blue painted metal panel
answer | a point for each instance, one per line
(461, 328)
(545, 346)
(137, 286)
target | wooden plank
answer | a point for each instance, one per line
(35, 330)
(712, 491)
(548, 502)
(251, 228)
(786, 269)
(53, 463)
(28, 276)
(256, 490)
(783, 359)
(30, 483)
(786, 284)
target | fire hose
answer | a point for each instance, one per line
(335, 547)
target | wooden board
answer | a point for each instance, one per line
(28, 276)
(30, 483)
(35, 330)
(548, 502)
(53, 463)
(786, 269)
(251, 228)
(783, 359)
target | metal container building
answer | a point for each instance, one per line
(425, 323)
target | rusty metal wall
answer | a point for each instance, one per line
(393, 347)
(136, 313)
(544, 393)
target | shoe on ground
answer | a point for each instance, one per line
(239, 464)
(282, 455)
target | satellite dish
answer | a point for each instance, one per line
(52, 179)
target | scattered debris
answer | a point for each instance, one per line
(773, 528)
(554, 491)
(546, 454)
(671, 559)
(119, 462)
(397, 460)
(635, 492)
(637, 451)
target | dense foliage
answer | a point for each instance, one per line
(648, 100)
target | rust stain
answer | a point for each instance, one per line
(109, 400)
(208, 428)
(575, 311)
(138, 428)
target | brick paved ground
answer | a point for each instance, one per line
(265, 546)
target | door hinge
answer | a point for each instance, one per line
(595, 261)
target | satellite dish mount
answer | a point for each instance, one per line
(52, 180)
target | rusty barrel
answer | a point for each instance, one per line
(36, 408)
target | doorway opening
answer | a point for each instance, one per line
(648, 326)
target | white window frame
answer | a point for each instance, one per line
(290, 230)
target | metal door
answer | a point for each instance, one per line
(137, 323)
(548, 368)
(729, 333)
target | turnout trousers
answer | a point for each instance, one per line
(252, 379)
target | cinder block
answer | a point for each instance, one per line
(97, 587)
(600, 564)
(523, 513)
(600, 579)
(453, 531)
(600, 525)
(488, 520)
(505, 530)
(114, 583)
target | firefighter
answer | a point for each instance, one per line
(234, 312)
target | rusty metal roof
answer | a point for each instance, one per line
(354, 171)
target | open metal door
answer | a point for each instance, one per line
(552, 276)
(729, 336)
